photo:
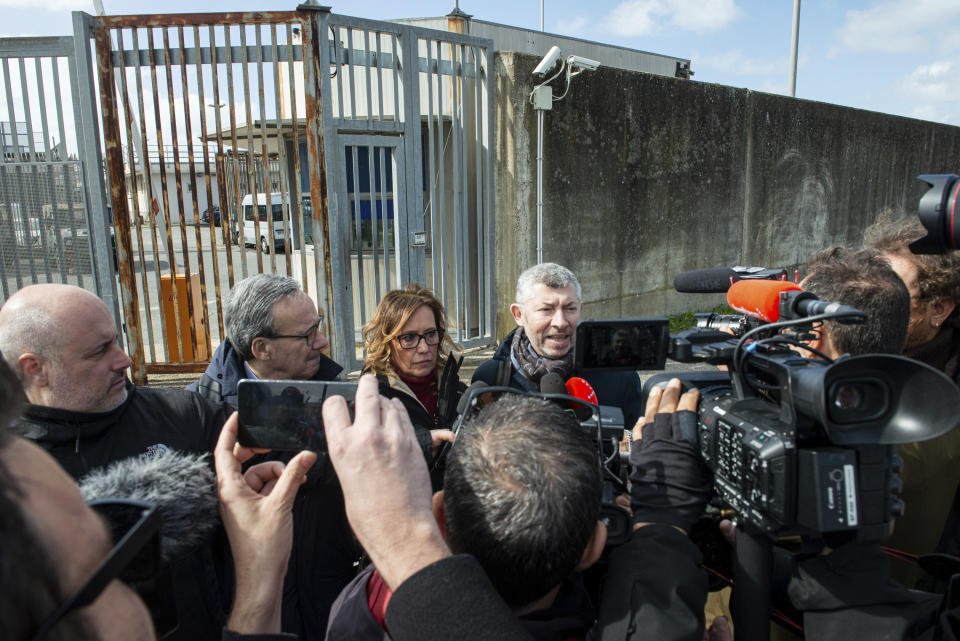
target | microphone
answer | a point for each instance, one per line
(552, 383)
(583, 390)
(183, 486)
(716, 280)
(773, 300)
(759, 298)
(465, 397)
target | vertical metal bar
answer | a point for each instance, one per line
(340, 58)
(49, 170)
(374, 219)
(465, 194)
(178, 181)
(11, 112)
(366, 73)
(229, 211)
(211, 230)
(316, 63)
(431, 162)
(413, 149)
(164, 194)
(118, 194)
(188, 126)
(383, 198)
(380, 115)
(441, 247)
(151, 199)
(124, 99)
(488, 277)
(455, 123)
(28, 119)
(396, 85)
(357, 220)
(478, 142)
(286, 192)
(251, 184)
(387, 245)
(295, 128)
(265, 154)
(350, 74)
(68, 173)
(95, 192)
(28, 210)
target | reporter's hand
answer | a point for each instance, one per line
(256, 510)
(388, 503)
(670, 483)
(438, 438)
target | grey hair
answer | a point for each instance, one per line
(30, 330)
(249, 308)
(552, 275)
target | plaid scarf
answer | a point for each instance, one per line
(534, 366)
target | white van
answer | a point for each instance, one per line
(255, 225)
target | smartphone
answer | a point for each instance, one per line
(286, 415)
(633, 344)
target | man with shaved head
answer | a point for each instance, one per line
(62, 343)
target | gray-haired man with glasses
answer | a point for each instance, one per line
(273, 331)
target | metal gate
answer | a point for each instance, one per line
(48, 163)
(271, 118)
(409, 140)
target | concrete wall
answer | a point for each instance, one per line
(647, 176)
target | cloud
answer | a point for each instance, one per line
(735, 63)
(643, 17)
(933, 83)
(575, 26)
(898, 26)
(50, 6)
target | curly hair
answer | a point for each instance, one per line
(938, 275)
(395, 309)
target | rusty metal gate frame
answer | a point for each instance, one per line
(112, 37)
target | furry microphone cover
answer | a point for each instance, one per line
(183, 486)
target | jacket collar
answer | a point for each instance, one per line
(58, 425)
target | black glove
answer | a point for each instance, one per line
(670, 482)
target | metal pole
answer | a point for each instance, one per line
(793, 48)
(539, 185)
(541, 15)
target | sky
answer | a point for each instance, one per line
(892, 56)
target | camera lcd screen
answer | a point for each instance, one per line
(286, 415)
(639, 344)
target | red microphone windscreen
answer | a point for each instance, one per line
(580, 388)
(759, 298)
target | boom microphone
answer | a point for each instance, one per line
(775, 300)
(759, 298)
(183, 486)
(716, 280)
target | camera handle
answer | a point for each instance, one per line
(750, 598)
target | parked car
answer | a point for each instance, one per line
(206, 215)
(255, 221)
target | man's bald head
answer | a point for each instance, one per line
(62, 343)
(33, 319)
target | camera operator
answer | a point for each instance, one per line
(931, 478)
(655, 589)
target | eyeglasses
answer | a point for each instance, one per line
(135, 557)
(412, 340)
(310, 336)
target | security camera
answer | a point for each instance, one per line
(549, 61)
(579, 63)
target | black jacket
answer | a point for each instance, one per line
(655, 589)
(321, 561)
(449, 389)
(147, 421)
(570, 616)
(219, 382)
(618, 389)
